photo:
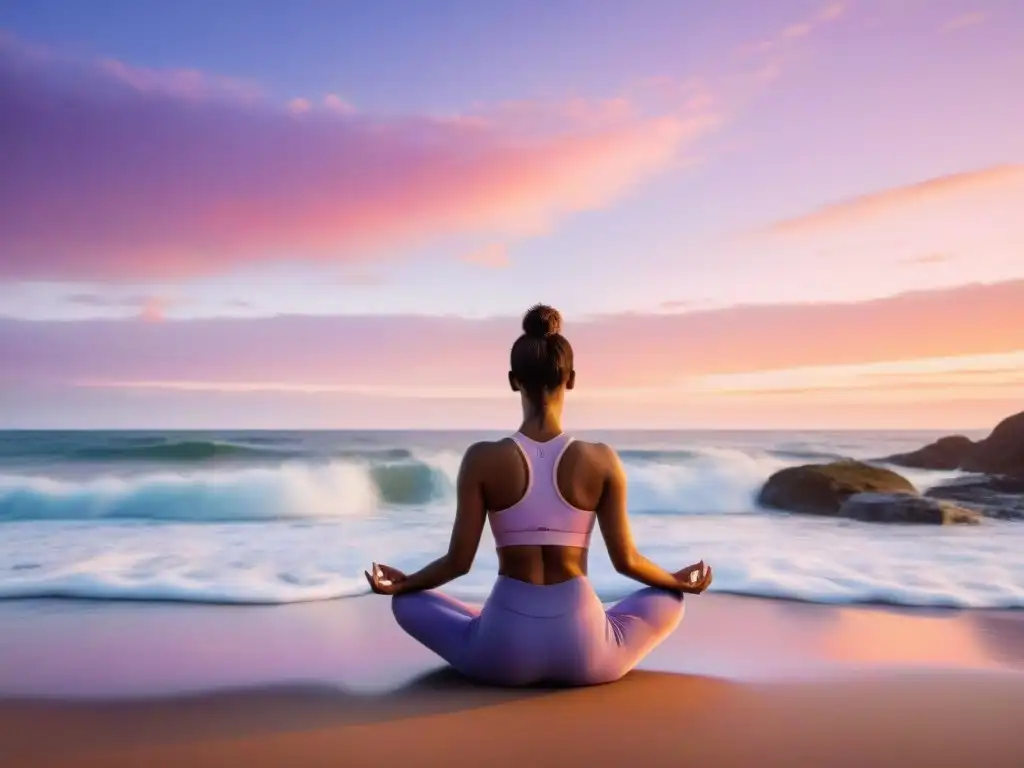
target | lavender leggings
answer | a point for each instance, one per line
(527, 634)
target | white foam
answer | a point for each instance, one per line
(300, 532)
(769, 555)
(714, 481)
(287, 491)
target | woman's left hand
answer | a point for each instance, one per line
(384, 580)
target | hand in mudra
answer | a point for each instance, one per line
(694, 579)
(384, 580)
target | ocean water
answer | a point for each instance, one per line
(280, 517)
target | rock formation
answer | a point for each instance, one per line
(945, 453)
(821, 489)
(905, 508)
(996, 496)
(1001, 453)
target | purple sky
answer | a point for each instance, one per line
(183, 180)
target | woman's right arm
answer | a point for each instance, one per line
(613, 518)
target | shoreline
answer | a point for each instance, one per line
(128, 649)
(744, 681)
(908, 608)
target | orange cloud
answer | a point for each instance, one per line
(951, 358)
(878, 204)
(628, 352)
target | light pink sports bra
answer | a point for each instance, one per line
(542, 516)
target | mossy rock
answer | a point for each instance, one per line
(821, 489)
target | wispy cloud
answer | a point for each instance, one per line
(620, 352)
(771, 56)
(149, 308)
(334, 102)
(1009, 177)
(214, 176)
(992, 370)
(965, 21)
(798, 29)
(187, 84)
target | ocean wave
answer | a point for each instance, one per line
(175, 451)
(809, 455)
(712, 481)
(132, 449)
(288, 491)
(659, 455)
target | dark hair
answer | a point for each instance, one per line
(541, 359)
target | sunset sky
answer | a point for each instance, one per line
(247, 213)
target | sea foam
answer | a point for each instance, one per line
(300, 530)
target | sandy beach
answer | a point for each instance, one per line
(745, 681)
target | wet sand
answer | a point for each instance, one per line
(744, 682)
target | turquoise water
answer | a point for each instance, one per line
(273, 517)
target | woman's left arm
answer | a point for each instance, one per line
(470, 516)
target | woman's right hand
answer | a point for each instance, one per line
(694, 579)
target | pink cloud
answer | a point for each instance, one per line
(832, 11)
(173, 175)
(630, 351)
(966, 20)
(877, 204)
(298, 106)
(799, 29)
(334, 102)
(178, 83)
(149, 308)
(796, 31)
(153, 310)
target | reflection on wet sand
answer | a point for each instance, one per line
(103, 649)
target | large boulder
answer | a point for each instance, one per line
(821, 489)
(1002, 452)
(994, 496)
(945, 453)
(905, 508)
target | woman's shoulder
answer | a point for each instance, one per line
(485, 451)
(593, 454)
(594, 447)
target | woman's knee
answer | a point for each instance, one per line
(670, 607)
(403, 607)
(661, 610)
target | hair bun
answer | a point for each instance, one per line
(542, 321)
